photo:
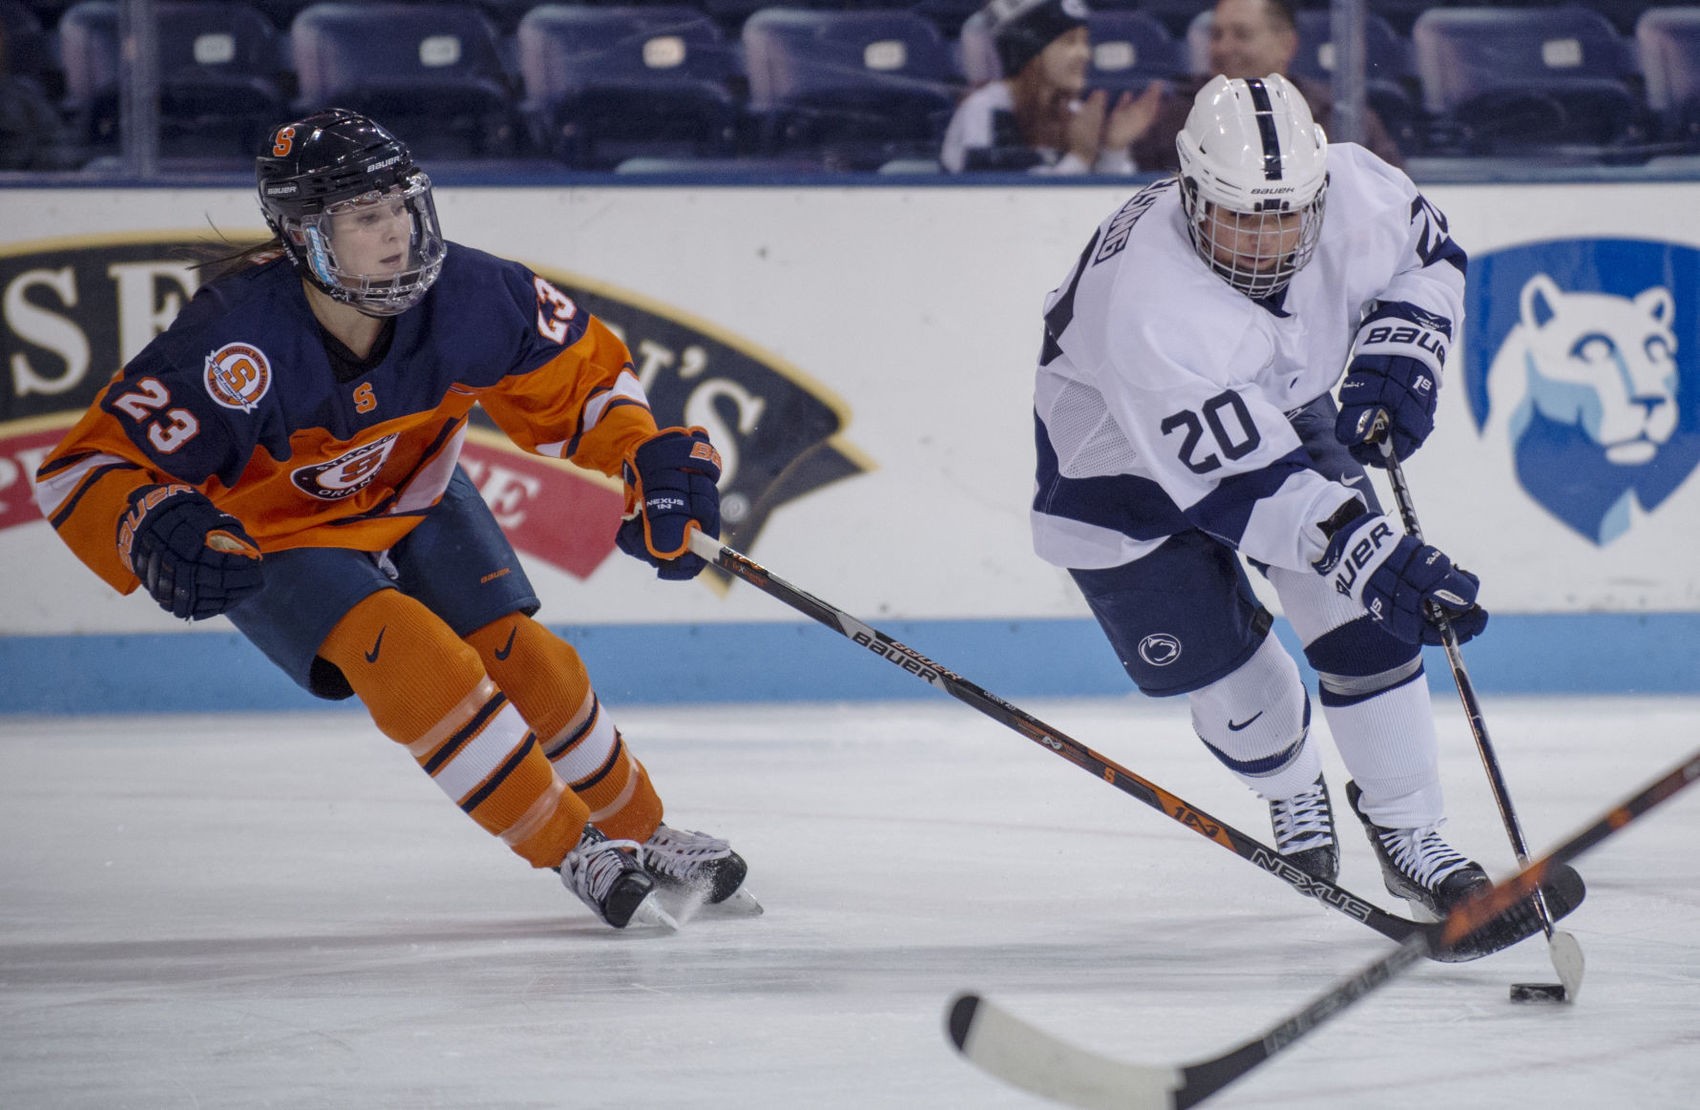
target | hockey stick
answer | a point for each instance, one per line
(1565, 952)
(1029, 1058)
(1052, 740)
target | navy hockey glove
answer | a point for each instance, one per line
(1396, 371)
(670, 489)
(1396, 577)
(194, 559)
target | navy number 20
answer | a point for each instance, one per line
(1241, 441)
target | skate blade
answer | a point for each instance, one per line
(1420, 912)
(686, 904)
(650, 914)
(740, 903)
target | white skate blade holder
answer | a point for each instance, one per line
(686, 905)
(651, 915)
(741, 903)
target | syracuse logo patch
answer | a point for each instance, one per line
(237, 375)
(346, 475)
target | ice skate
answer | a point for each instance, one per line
(1420, 867)
(697, 869)
(1304, 831)
(610, 877)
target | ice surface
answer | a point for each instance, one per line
(233, 911)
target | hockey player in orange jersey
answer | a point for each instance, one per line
(286, 454)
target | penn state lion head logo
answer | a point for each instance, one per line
(1603, 364)
(1585, 385)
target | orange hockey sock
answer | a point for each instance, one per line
(426, 689)
(546, 678)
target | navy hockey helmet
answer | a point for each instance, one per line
(336, 188)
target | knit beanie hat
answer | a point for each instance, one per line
(1022, 28)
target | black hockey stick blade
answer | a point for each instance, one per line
(1336, 897)
(1030, 1058)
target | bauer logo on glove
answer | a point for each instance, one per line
(1398, 580)
(194, 559)
(1391, 386)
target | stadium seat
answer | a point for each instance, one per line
(1130, 49)
(1669, 42)
(281, 13)
(431, 73)
(1506, 81)
(1175, 15)
(606, 84)
(1389, 80)
(28, 50)
(1397, 14)
(220, 77)
(855, 89)
(33, 135)
(1625, 14)
(88, 52)
(947, 15)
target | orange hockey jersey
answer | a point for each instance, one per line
(239, 399)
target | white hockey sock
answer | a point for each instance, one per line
(1387, 742)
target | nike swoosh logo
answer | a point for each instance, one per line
(506, 649)
(377, 645)
(1232, 727)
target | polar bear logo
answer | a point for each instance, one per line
(1586, 387)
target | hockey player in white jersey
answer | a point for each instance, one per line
(1185, 420)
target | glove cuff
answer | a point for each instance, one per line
(1404, 330)
(143, 501)
(1356, 551)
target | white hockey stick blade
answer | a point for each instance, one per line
(1025, 1056)
(1567, 961)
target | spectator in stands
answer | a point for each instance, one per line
(31, 134)
(1039, 117)
(1250, 38)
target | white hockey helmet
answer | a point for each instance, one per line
(1251, 158)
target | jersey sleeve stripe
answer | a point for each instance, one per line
(1225, 511)
(625, 390)
(59, 495)
(1125, 503)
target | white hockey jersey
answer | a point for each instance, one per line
(1162, 393)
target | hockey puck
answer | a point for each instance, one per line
(1537, 992)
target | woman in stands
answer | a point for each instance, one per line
(287, 453)
(1036, 119)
